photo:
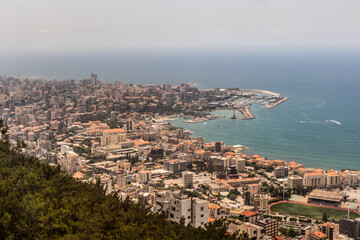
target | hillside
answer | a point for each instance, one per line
(38, 201)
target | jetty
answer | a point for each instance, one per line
(245, 111)
(274, 104)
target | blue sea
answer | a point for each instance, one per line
(323, 90)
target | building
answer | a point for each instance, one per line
(194, 211)
(240, 165)
(281, 172)
(317, 235)
(214, 210)
(350, 227)
(124, 164)
(121, 180)
(240, 182)
(295, 182)
(231, 172)
(314, 179)
(352, 179)
(188, 179)
(270, 226)
(332, 179)
(175, 166)
(250, 216)
(330, 230)
(247, 198)
(261, 202)
(94, 79)
(112, 136)
(218, 147)
(323, 197)
(253, 231)
(144, 176)
(129, 125)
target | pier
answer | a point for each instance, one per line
(271, 105)
(245, 111)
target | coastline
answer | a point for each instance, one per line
(245, 150)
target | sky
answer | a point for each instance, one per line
(54, 26)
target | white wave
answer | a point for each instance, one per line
(318, 122)
(333, 121)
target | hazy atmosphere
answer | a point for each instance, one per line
(43, 26)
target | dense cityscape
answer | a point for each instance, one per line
(120, 136)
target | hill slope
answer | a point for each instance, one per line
(38, 201)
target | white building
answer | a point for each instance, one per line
(194, 211)
(240, 165)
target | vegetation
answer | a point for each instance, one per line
(289, 231)
(311, 211)
(40, 202)
(233, 194)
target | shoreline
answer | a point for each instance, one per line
(250, 151)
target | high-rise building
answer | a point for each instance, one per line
(270, 226)
(352, 178)
(188, 179)
(217, 146)
(240, 165)
(121, 180)
(350, 227)
(167, 86)
(129, 126)
(330, 230)
(5, 118)
(247, 198)
(261, 202)
(94, 79)
(144, 176)
(113, 115)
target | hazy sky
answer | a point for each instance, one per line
(46, 26)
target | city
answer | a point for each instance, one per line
(121, 136)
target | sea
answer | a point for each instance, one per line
(318, 126)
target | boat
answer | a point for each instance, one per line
(233, 116)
